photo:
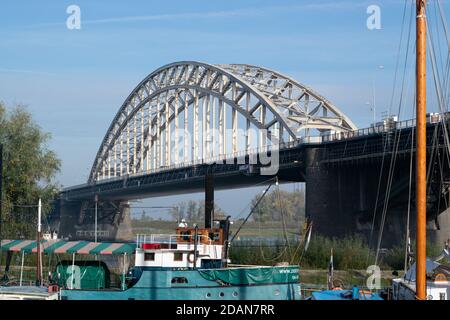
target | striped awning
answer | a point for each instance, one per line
(62, 246)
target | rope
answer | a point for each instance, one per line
(409, 200)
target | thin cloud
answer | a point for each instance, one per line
(243, 12)
(26, 71)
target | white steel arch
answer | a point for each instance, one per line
(188, 111)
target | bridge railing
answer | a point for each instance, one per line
(227, 158)
(382, 127)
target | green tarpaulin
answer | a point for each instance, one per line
(237, 276)
(87, 275)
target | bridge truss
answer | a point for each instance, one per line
(191, 112)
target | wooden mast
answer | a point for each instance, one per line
(421, 155)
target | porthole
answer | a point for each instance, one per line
(208, 295)
(222, 294)
(277, 292)
(235, 294)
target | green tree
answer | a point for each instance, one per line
(29, 169)
(191, 211)
(279, 203)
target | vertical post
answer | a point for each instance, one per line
(226, 242)
(234, 121)
(175, 132)
(72, 277)
(115, 159)
(209, 199)
(127, 163)
(186, 136)
(121, 153)
(134, 143)
(214, 128)
(149, 138)
(247, 132)
(421, 149)
(96, 218)
(38, 241)
(142, 140)
(262, 133)
(195, 126)
(167, 147)
(195, 246)
(124, 271)
(21, 268)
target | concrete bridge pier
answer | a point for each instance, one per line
(75, 220)
(341, 200)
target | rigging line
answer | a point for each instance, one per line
(395, 151)
(385, 146)
(437, 88)
(243, 210)
(305, 240)
(437, 32)
(390, 174)
(398, 56)
(405, 65)
(444, 23)
(389, 184)
(283, 221)
(260, 246)
(261, 251)
(376, 201)
(409, 199)
(388, 190)
(441, 180)
(295, 253)
(447, 69)
(253, 209)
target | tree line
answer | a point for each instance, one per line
(274, 207)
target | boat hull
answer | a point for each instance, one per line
(260, 284)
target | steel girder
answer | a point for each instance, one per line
(146, 134)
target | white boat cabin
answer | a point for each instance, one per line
(181, 250)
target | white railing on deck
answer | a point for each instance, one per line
(164, 239)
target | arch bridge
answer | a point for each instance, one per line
(190, 112)
(246, 124)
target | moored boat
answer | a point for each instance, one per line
(192, 265)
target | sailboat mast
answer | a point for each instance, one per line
(421, 159)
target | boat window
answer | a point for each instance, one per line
(179, 280)
(442, 295)
(149, 256)
(177, 256)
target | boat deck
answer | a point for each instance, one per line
(26, 293)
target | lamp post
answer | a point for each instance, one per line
(374, 105)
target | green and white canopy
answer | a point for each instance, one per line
(62, 246)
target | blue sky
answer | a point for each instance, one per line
(74, 81)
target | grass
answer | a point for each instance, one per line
(350, 253)
(251, 228)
